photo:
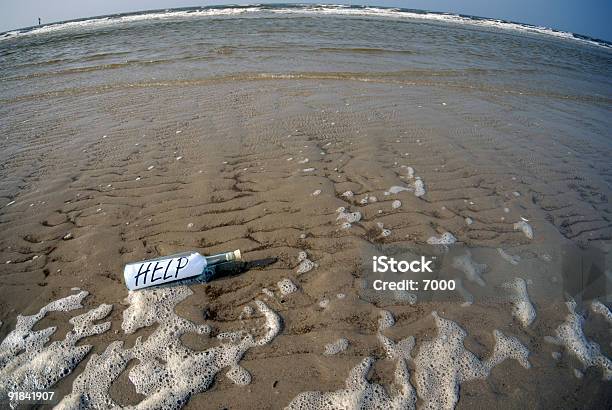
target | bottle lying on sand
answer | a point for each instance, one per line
(171, 268)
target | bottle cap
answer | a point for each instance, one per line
(237, 255)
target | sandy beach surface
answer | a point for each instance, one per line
(94, 176)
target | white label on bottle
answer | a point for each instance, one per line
(155, 272)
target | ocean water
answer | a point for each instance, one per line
(219, 44)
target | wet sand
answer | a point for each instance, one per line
(94, 180)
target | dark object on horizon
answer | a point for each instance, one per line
(39, 21)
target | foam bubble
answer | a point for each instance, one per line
(570, 335)
(396, 204)
(316, 193)
(598, 307)
(348, 194)
(247, 311)
(27, 363)
(239, 375)
(513, 259)
(167, 373)
(306, 265)
(386, 320)
(336, 347)
(522, 309)
(419, 187)
(361, 393)
(286, 287)
(397, 351)
(348, 217)
(397, 189)
(446, 238)
(383, 232)
(470, 268)
(443, 364)
(525, 228)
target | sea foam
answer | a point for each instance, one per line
(522, 308)
(570, 335)
(472, 270)
(28, 363)
(443, 363)
(166, 372)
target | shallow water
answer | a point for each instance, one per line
(307, 42)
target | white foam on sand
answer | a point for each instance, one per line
(397, 189)
(28, 363)
(570, 335)
(166, 372)
(247, 311)
(598, 307)
(513, 259)
(306, 265)
(399, 351)
(336, 347)
(386, 320)
(446, 238)
(522, 309)
(419, 187)
(396, 204)
(286, 286)
(443, 363)
(383, 232)
(472, 270)
(360, 393)
(525, 228)
(348, 217)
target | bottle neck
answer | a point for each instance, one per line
(222, 257)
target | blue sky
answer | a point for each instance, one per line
(590, 17)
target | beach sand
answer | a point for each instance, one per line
(92, 180)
